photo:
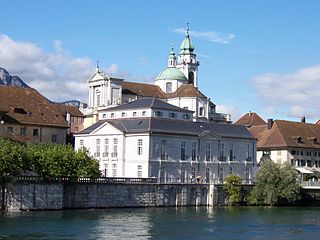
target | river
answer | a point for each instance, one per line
(164, 223)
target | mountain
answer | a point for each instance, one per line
(9, 80)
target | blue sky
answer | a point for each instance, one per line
(261, 56)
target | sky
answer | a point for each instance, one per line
(260, 56)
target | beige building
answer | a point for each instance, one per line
(27, 116)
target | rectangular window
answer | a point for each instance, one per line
(106, 147)
(169, 87)
(183, 174)
(207, 175)
(220, 174)
(106, 170)
(172, 115)
(123, 114)
(81, 143)
(114, 170)
(194, 151)
(115, 147)
(247, 173)
(183, 150)
(193, 172)
(98, 100)
(201, 111)
(230, 171)
(112, 115)
(139, 146)
(163, 150)
(231, 157)
(208, 152)
(144, 113)
(186, 116)
(139, 170)
(222, 157)
(23, 131)
(162, 176)
(10, 130)
(134, 114)
(97, 148)
(54, 138)
(157, 114)
(35, 132)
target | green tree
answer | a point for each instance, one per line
(12, 156)
(275, 185)
(46, 160)
(234, 189)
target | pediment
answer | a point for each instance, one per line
(207, 134)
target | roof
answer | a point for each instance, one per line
(142, 89)
(148, 102)
(74, 111)
(168, 126)
(171, 73)
(285, 134)
(186, 46)
(28, 106)
(250, 119)
(151, 90)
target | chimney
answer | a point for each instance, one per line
(270, 123)
(303, 119)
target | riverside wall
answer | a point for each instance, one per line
(37, 194)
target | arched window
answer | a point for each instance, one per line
(168, 87)
(191, 77)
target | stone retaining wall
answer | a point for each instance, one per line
(69, 195)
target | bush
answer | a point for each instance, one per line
(234, 189)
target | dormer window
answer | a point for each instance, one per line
(169, 87)
(297, 139)
(172, 115)
(186, 116)
(157, 114)
(123, 114)
(314, 140)
(104, 115)
(134, 114)
(112, 115)
(144, 113)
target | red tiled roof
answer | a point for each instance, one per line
(286, 134)
(250, 119)
(151, 90)
(27, 106)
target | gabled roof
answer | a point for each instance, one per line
(142, 89)
(27, 106)
(168, 126)
(250, 119)
(284, 134)
(151, 90)
(148, 102)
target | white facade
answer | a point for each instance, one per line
(172, 149)
(106, 91)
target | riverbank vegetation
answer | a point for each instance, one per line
(46, 160)
(275, 185)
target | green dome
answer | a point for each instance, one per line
(172, 74)
(186, 45)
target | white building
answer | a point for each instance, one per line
(150, 138)
(177, 85)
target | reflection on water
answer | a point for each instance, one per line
(164, 223)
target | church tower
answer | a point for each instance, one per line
(187, 62)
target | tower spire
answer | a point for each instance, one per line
(97, 66)
(187, 29)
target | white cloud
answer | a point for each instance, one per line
(293, 94)
(228, 109)
(212, 36)
(57, 75)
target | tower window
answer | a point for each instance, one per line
(191, 78)
(168, 87)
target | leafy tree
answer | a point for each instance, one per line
(12, 155)
(275, 185)
(234, 189)
(47, 160)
